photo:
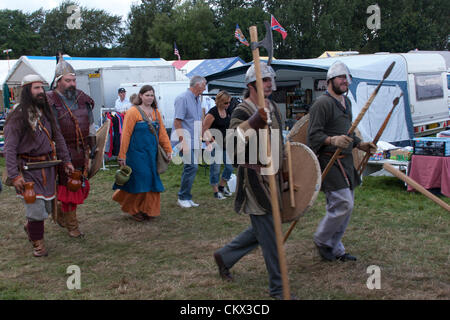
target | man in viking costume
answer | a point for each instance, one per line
(330, 120)
(252, 193)
(73, 111)
(33, 140)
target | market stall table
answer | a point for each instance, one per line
(431, 172)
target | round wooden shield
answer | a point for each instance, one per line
(307, 178)
(299, 131)
(101, 137)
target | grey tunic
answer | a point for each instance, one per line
(33, 144)
(252, 192)
(329, 118)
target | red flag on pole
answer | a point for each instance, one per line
(275, 25)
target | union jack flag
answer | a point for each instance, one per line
(275, 25)
(175, 51)
(240, 36)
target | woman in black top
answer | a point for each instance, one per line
(219, 120)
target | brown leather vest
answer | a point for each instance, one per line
(68, 127)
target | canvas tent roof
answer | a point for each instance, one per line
(4, 70)
(207, 66)
(45, 65)
(367, 71)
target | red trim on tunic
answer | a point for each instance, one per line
(69, 199)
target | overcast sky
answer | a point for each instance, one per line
(116, 7)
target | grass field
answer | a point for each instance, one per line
(405, 234)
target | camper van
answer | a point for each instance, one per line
(421, 77)
(165, 93)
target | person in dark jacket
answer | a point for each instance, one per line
(330, 120)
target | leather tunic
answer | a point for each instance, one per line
(78, 148)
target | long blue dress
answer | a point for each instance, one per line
(141, 157)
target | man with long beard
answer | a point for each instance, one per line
(330, 119)
(73, 110)
(32, 135)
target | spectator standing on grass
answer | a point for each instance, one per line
(187, 133)
(32, 135)
(141, 195)
(330, 119)
(219, 120)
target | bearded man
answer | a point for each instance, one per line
(73, 110)
(32, 136)
(330, 119)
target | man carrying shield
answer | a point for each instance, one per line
(252, 193)
(73, 111)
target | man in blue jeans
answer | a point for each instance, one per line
(187, 125)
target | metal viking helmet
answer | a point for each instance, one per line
(339, 68)
(63, 68)
(266, 72)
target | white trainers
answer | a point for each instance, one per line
(192, 203)
(184, 203)
(219, 196)
(226, 192)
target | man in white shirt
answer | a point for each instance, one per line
(122, 104)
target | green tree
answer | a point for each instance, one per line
(410, 24)
(142, 17)
(226, 44)
(99, 32)
(17, 34)
(190, 25)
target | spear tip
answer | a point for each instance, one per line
(388, 71)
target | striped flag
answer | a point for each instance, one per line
(175, 51)
(240, 36)
(277, 27)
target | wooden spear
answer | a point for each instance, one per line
(272, 182)
(349, 133)
(366, 158)
(416, 186)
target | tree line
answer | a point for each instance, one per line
(204, 29)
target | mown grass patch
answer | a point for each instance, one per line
(170, 257)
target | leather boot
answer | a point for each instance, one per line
(39, 248)
(60, 216)
(72, 224)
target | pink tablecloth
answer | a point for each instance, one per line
(431, 172)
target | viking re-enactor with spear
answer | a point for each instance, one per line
(33, 140)
(330, 120)
(73, 110)
(252, 193)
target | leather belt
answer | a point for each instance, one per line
(37, 159)
(341, 156)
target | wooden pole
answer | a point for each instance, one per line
(291, 175)
(416, 186)
(364, 161)
(272, 182)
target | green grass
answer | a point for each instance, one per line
(404, 233)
